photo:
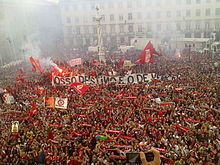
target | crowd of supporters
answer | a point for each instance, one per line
(102, 125)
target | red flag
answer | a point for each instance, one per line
(147, 54)
(50, 133)
(181, 128)
(20, 71)
(80, 87)
(96, 63)
(120, 64)
(122, 92)
(20, 76)
(35, 64)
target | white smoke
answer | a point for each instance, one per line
(31, 47)
(47, 63)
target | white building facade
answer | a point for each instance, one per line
(123, 20)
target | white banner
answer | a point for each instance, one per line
(8, 99)
(61, 103)
(14, 127)
(76, 61)
(131, 78)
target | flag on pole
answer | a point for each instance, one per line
(36, 65)
(147, 54)
(80, 87)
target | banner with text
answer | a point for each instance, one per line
(132, 78)
(76, 61)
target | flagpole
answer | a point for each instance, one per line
(99, 32)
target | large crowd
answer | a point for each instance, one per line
(102, 125)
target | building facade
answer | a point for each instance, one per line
(123, 20)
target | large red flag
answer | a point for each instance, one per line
(147, 54)
(80, 87)
(35, 64)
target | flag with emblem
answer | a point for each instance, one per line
(80, 87)
(61, 103)
(147, 54)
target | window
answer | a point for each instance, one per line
(102, 6)
(93, 19)
(217, 0)
(85, 19)
(188, 35)
(139, 16)
(111, 17)
(178, 13)
(207, 12)
(139, 3)
(69, 29)
(120, 17)
(148, 2)
(197, 35)
(129, 16)
(94, 30)
(121, 28)
(86, 29)
(77, 30)
(158, 27)
(197, 12)
(158, 2)
(168, 14)
(198, 1)
(217, 11)
(188, 2)
(129, 4)
(149, 28)
(139, 28)
(92, 7)
(103, 18)
(208, 1)
(188, 24)
(168, 27)
(130, 28)
(110, 5)
(217, 25)
(75, 7)
(68, 20)
(67, 8)
(207, 25)
(122, 39)
(112, 28)
(148, 15)
(178, 26)
(158, 14)
(197, 26)
(178, 2)
(104, 28)
(120, 5)
(76, 19)
(188, 13)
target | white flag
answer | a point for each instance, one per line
(61, 103)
